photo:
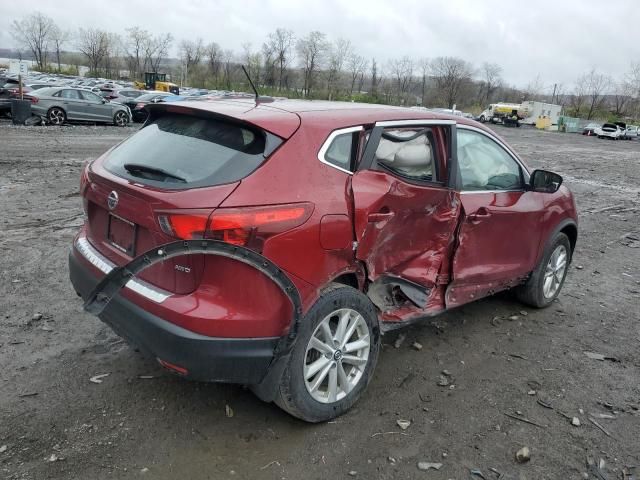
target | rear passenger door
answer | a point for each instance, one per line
(73, 104)
(404, 213)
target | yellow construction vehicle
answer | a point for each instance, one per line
(157, 81)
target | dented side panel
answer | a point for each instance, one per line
(403, 230)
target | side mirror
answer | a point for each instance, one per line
(544, 181)
(104, 100)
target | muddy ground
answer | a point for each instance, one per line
(503, 358)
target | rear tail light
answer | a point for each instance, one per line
(246, 226)
(34, 100)
(187, 226)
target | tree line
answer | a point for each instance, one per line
(313, 66)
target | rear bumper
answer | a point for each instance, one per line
(212, 359)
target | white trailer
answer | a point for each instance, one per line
(534, 110)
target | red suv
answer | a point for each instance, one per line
(271, 244)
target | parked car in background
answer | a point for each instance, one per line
(631, 132)
(590, 129)
(270, 244)
(60, 104)
(121, 96)
(10, 90)
(137, 105)
(609, 130)
(38, 86)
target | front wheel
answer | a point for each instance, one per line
(334, 356)
(546, 281)
(120, 119)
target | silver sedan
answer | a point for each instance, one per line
(60, 104)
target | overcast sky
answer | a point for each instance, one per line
(557, 40)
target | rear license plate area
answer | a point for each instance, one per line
(121, 234)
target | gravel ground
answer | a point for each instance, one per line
(500, 357)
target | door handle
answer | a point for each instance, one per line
(379, 217)
(481, 214)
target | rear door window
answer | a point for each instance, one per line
(408, 153)
(71, 94)
(182, 151)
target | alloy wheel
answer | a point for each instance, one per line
(120, 119)
(554, 272)
(336, 355)
(56, 116)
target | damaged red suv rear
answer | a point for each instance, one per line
(270, 244)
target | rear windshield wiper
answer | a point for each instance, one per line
(135, 167)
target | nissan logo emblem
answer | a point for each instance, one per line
(112, 200)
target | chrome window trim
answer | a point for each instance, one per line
(327, 143)
(409, 123)
(467, 192)
(103, 264)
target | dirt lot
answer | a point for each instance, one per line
(502, 358)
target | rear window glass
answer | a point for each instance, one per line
(181, 151)
(340, 152)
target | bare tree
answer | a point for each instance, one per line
(633, 79)
(159, 50)
(491, 80)
(560, 97)
(596, 85)
(136, 43)
(312, 51)
(424, 65)
(451, 74)
(213, 53)
(269, 59)
(93, 44)
(253, 62)
(402, 71)
(191, 53)
(338, 54)
(357, 65)
(280, 45)
(227, 59)
(534, 88)
(33, 33)
(579, 96)
(622, 95)
(374, 78)
(58, 38)
(113, 54)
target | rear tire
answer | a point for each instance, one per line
(56, 116)
(546, 281)
(317, 386)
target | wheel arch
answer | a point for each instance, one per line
(57, 106)
(569, 227)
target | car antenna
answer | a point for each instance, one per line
(259, 99)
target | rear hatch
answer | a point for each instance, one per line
(182, 164)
